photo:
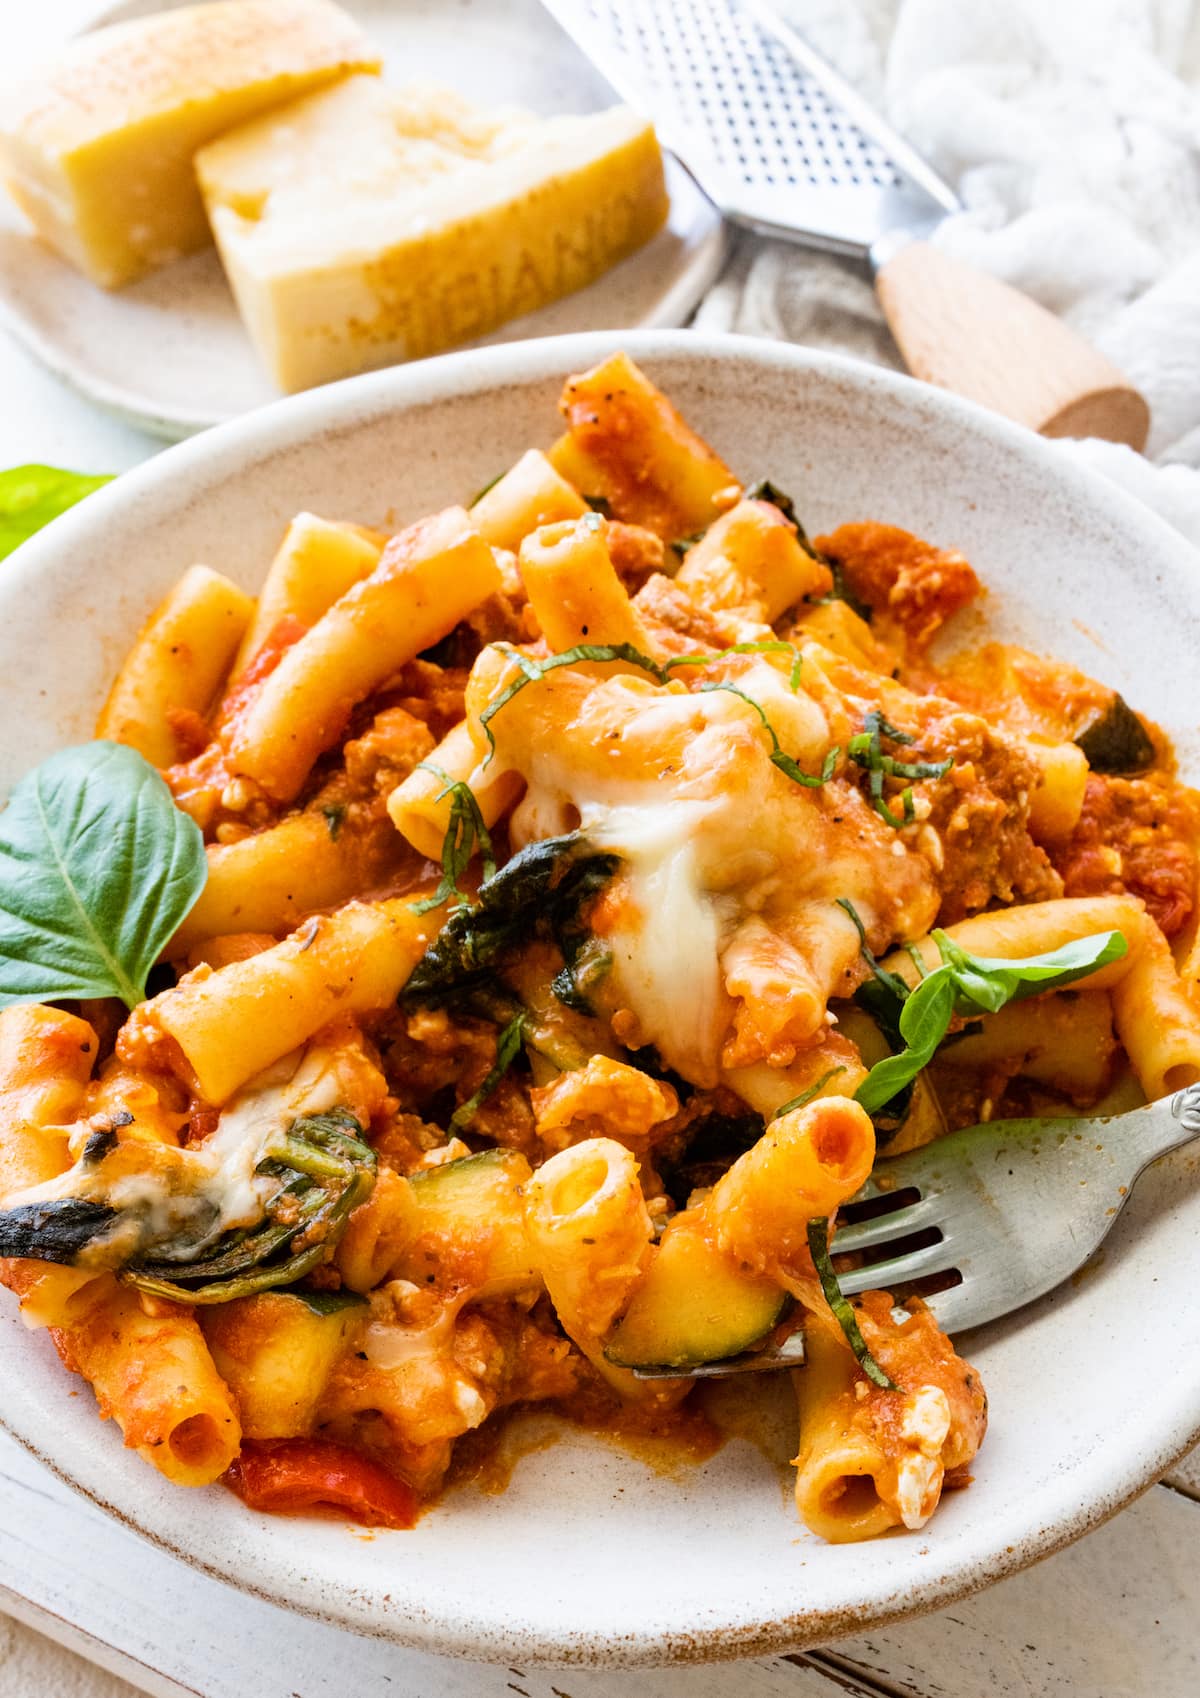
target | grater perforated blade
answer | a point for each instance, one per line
(775, 138)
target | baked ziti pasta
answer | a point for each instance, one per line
(528, 905)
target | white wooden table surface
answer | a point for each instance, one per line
(1117, 1616)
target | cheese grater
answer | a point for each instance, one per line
(777, 140)
(784, 146)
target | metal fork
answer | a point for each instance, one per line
(1018, 1207)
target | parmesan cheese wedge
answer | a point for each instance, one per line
(365, 225)
(98, 150)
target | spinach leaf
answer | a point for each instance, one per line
(762, 489)
(972, 984)
(97, 869)
(532, 890)
(30, 496)
(841, 590)
(1117, 741)
(586, 961)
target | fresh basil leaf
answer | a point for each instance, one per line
(973, 984)
(924, 1022)
(985, 985)
(30, 496)
(97, 869)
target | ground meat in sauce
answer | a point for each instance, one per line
(906, 581)
(431, 693)
(1135, 835)
(683, 623)
(980, 813)
(503, 617)
(394, 743)
(636, 553)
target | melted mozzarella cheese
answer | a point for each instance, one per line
(168, 1189)
(666, 954)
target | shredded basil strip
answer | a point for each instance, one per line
(785, 763)
(843, 1312)
(508, 1046)
(805, 1097)
(890, 984)
(489, 485)
(970, 984)
(866, 750)
(533, 671)
(465, 832)
(770, 646)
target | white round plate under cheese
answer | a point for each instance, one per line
(170, 353)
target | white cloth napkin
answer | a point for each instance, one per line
(1071, 131)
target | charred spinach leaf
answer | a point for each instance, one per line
(55, 1231)
(324, 1171)
(543, 885)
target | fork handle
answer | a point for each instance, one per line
(1150, 1132)
(966, 331)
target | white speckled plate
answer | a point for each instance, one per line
(590, 1556)
(170, 354)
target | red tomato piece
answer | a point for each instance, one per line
(295, 1474)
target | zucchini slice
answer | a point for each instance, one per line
(276, 1351)
(470, 1226)
(695, 1304)
(1116, 741)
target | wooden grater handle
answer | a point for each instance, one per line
(963, 330)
